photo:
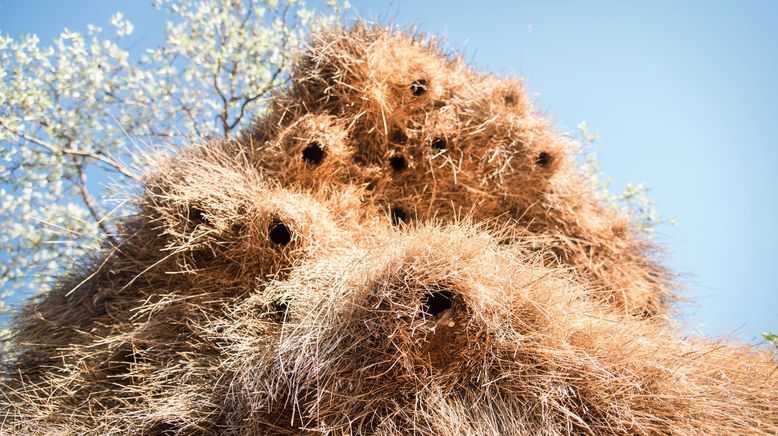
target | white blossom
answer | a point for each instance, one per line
(77, 109)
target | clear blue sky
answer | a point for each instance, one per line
(685, 95)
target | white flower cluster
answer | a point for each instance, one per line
(73, 113)
(634, 201)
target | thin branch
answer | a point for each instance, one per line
(188, 111)
(116, 165)
(225, 104)
(270, 85)
(90, 204)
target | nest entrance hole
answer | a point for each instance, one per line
(279, 310)
(544, 159)
(398, 162)
(279, 233)
(399, 216)
(437, 302)
(313, 153)
(438, 144)
(163, 428)
(196, 215)
(419, 87)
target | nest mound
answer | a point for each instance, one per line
(400, 246)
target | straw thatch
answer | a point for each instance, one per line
(401, 246)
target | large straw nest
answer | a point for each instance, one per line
(428, 137)
(400, 246)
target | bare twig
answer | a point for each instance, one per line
(98, 156)
(249, 100)
(89, 201)
(225, 104)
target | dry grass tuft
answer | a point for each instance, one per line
(400, 246)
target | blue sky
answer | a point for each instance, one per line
(684, 94)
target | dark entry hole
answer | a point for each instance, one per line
(398, 162)
(543, 159)
(163, 428)
(130, 354)
(510, 99)
(438, 144)
(398, 215)
(644, 314)
(397, 136)
(280, 308)
(202, 256)
(419, 87)
(313, 153)
(237, 229)
(120, 364)
(197, 215)
(279, 233)
(437, 302)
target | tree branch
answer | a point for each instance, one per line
(89, 201)
(225, 104)
(270, 85)
(98, 156)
